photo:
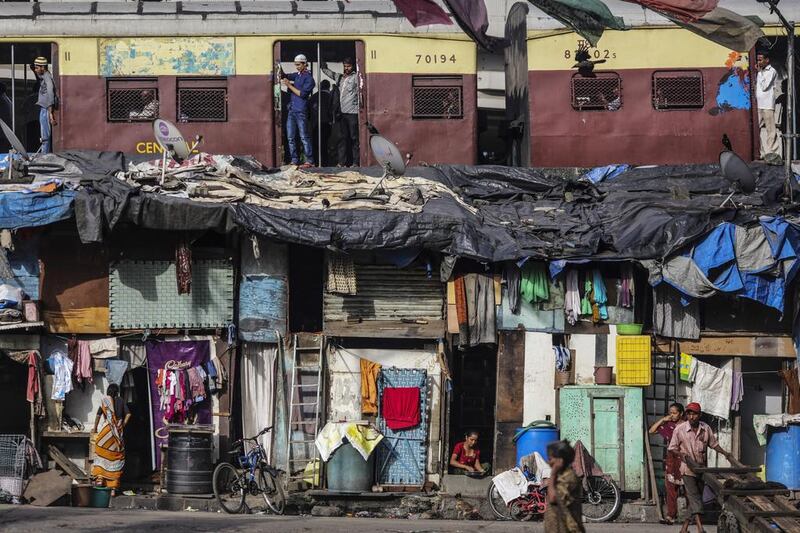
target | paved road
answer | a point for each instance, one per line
(20, 519)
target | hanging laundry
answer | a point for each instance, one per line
(588, 18)
(686, 10)
(369, 387)
(626, 292)
(562, 358)
(671, 318)
(534, 284)
(572, 298)
(586, 301)
(341, 275)
(422, 12)
(599, 297)
(790, 379)
(737, 390)
(556, 301)
(459, 284)
(685, 367)
(481, 309)
(115, 370)
(400, 407)
(62, 368)
(104, 348)
(183, 267)
(84, 363)
(712, 388)
(128, 388)
(513, 278)
(134, 353)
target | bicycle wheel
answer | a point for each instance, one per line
(272, 490)
(601, 499)
(229, 488)
(498, 505)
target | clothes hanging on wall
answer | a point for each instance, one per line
(83, 372)
(183, 267)
(627, 289)
(460, 286)
(534, 284)
(400, 407)
(115, 370)
(737, 390)
(586, 301)
(513, 278)
(369, 387)
(562, 358)
(599, 297)
(104, 348)
(134, 353)
(670, 318)
(341, 275)
(712, 388)
(481, 309)
(62, 369)
(572, 298)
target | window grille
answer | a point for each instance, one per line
(437, 97)
(678, 90)
(203, 100)
(603, 92)
(132, 100)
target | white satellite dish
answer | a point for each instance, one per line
(172, 142)
(16, 144)
(388, 157)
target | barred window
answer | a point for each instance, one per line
(131, 99)
(202, 100)
(678, 90)
(437, 97)
(603, 92)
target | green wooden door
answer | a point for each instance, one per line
(606, 435)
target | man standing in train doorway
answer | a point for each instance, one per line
(767, 91)
(349, 149)
(300, 84)
(47, 103)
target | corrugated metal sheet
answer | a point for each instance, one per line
(263, 292)
(388, 297)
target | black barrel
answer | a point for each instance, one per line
(190, 460)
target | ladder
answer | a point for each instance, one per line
(305, 406)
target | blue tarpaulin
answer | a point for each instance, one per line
(25, 209)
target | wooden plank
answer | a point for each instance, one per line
(753, 492)
(741, 346)
(434, 329)
(726, 470)
(787, 524)
(66, 465)
(773, 514)
(508, 398)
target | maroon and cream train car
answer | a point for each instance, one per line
(417, 90)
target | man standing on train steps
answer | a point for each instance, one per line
(300, 84)
(349, 148)
(766, 92)
(47, 103)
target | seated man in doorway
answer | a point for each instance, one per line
(347, 115)
(466, 457)
(691, 441)
(300, 84)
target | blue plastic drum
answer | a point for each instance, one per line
(535, 438)
(783, 456)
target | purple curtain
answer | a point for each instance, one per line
(196, 353)
(473, 18)
(422, 12)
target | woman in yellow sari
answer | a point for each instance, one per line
(109, 444)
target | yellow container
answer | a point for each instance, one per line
(634, 365)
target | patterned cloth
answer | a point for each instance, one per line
(109, 447)
(341, 275)
(565, 516)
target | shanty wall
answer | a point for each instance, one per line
(344, 391)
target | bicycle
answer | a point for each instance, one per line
(254, 476)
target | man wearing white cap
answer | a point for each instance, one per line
(46, 103)
(300, 84)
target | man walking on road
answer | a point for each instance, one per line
(691, 441)
(349, 148)
(767, 90)
(300, 84)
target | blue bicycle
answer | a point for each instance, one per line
(254, 476)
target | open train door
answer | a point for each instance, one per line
(363, 107)
(277, 106)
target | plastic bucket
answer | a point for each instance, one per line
(629, 329)
(535, 439)
(603, 374)
(81, 495)
(101, 497)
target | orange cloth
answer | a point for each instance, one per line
(369, 387)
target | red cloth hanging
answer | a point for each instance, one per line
(400, 407)
(422, 12)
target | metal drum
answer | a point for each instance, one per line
(190, 459)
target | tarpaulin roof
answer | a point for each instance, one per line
(486, 213)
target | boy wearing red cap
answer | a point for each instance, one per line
(691, 440)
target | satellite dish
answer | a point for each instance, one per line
(171, 139)
(14, 141)
(387, 155)
(735, 170)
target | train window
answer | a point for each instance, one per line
(202, 100)
(600, 93)
(678, 90)
(131, 99)
(437, 97)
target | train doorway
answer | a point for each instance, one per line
(336, 140)
(777, 48)
(19, 90)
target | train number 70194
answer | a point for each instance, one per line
(435, 58)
